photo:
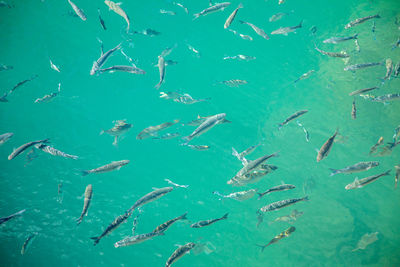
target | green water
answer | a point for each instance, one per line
(334, 219)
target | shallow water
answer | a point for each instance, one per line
(334, 219)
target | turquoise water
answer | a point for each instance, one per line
(334, 219)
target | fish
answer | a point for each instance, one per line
(360, 91)
(396, 44)
(169, 95)
(199, 147)
(115, 165)
(5, 137)
(48, 98)
(358, 183)
(260, 218)
(103, 25)
(292, 117)
(182, 6)
(242, 155)
(12, 216)
(194, 50)
(168, 136)
(152, 196)
(234, 82)
(396, 133)
(284, 234)
(374, 147)
(336, 40)
(361, 66)
(214, 8)
(102, 59)
(253, 176)
(164, 227)
(205, 126)
(27, 242)
(208, 222)
(129, 69)
(60, 193)
(4, 97)
(77, 10)
(389, 69)
(241, 57)
(358, 167)
(5, 67)
(354, 110)
(54, 67)
(86, 203)
(161, 68)
(289, 218)
(148, 32)
(136, 239)
(360, 20)
(326, 147)
(305, 131)
(385, 98)
(153, 130)
(117, 9)
(396, 70)
(53, 151)
(242, 195)
(313, 30)
(277, 16)
(179, 253)
(282, 204)
(358, 48)
(120, 127)
(397, 176)
(305, 75)
(167, 12)
(243, 36)
(232, 16)
(366, 240)
(175, 184)
(333, 54)
(188, 99)
(254, 165)
(23, 147)
(286, 30)
(135, 222)
(259, 31)
(278, 188)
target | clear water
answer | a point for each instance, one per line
(334, 219)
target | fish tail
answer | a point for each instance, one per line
(84, 172)
(300, 24)
(260, 195)
(158, 85)
(333, 171)
(242, 22)
(377, 16)
(276, 154)
(73, 157)
(96, 240)
(261, 246)
(355, 36)
(280, 125)
(387, 172)
(46, 140)
(240, 5)
(225, 216)
(196, 16)
(115, 143)
(79, 220)
(218, 194)
(183, 216)
(306, 198)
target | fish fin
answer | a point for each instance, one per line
(260, 195)
(333, 171)
(183, 216)
(78, 221)
(196, 16)
(225, 120)
(235, 153)
(101, 132)
(355, 36)
(242, 22)
(225, 216)
(300, 24)
(115, 143)
(261, 246)
(84, 172)
(96, 240)
(280, 125)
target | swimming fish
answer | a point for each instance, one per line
(305, 75)
(242, 195)
(120, 127)
(366, 240)
(278, 188)
(242, 155)
(182, 6)
(153, 130)
(208, 222)
(161, 69)
(117, 9)
(326, 147)
(259, 31)
(234, 82)
(284, 234)
(168, 136)
(53, 151)
(205, 126)
(12, 216)
(4, 97)
(333, 54)
(374, 147)
(232, 16)
(22, 148)
(286, 30)
(148, 32)
(254, 165)
(5, 137)
(86, 203)
(54, 67)
(389, 69)
(115, 165)
(179, 253)
(175, 184)
(164, 227)
(168, 12)
(216, 7)
(385, 98)
(154, 195)
(241, 57)
(129, 69)
(188, 99)
(136, 239)
(336, 40)
(102, 59)
(103, 25)
(77, 10)
(396, 70)
(397, 176)
(360, 91)
(27, 242)
(60, 193)
(307, 134)
(194, 50)
(358, 183)
(277, 16)
(48, 98)
(282, 204)
(289, 218)
(359, 167)
(243, 36)
(354, 110)
(5, 67)
(199, 147)
(292, 117)
(359, 21)
(361, 66)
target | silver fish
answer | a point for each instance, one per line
(119, 128)
(389, 69)
(242, 195)
(305, 75)
(49, 97)
(27, 242)
(164, 227)
(232, 16)
(286, 30)
(243, 36)
(332, 54)
(136, 239)
(354, 110)
(22, 148)
(259, 31)
(360, 91)
(205, 126)
(148, 32)
(358, 183)
(277, 16)
(208, 222)
(241, 57)
(12, 216)
(168, 136)
(359, 21)
(397, 176)
(359, 167)
(254, 165)
(5, 137)
(199, 147)
(117, 9)
(366, 240)
(292, 117)
(77, 10)
(115, 165)
(114, 225)
(54, 152)
(385, 98)
(54, 67)
(234, 82)
(214, 8)
(362, 66)
(167, 12)
(282, 204)
(175, 184)
(278, 188)
(396, 70)
(102, 59)
(336, 40)
(188, 99)
(182, 6)
(86, 203)
(129, 69)
(161, 68)
(153, 130)
(326, 147)
(179, 253)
